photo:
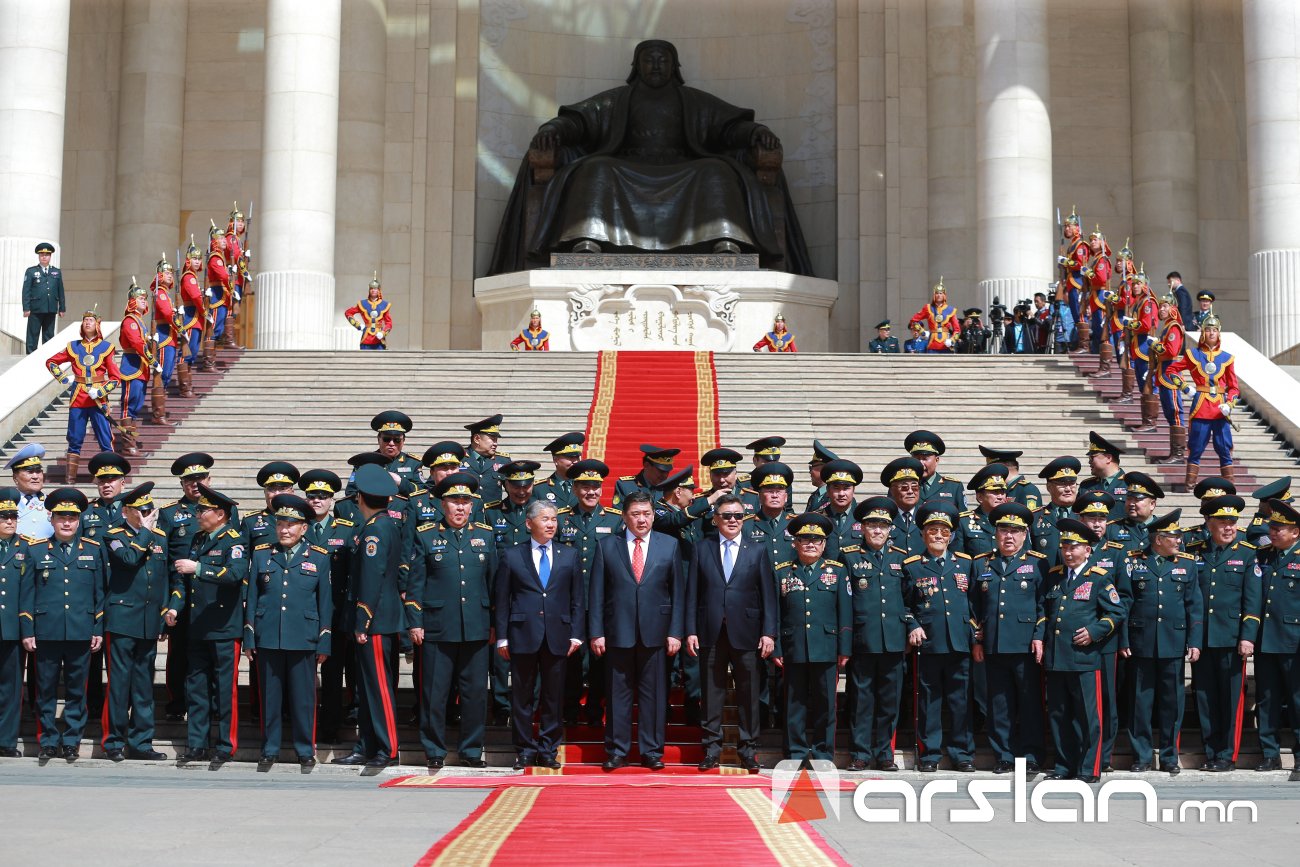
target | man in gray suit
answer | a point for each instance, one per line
(730, 621)
(43, 299)
(635, 614)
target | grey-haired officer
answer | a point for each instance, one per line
(1164, 625)
(449, 617)
(884, 341)
(1257, 529)
(28, 468)
(65, 623)
(1132, 531)
(1230, 587)
(483, 458)
(391, 429)
(1207, 489)
(937, 586)
(821, 456)
(17, 587)
(881, 624)
(1103, 463)
(816, 638)
(1061, 478)
(135, 602)
(1277, 647)
(1082, 606)
(974, 531)
(1019, 489)
(842, 478)
(927, 448)
(902, 479)
(274, 478)
(287, 630)
(656, 467)
(1007, 605)
(565, 451)
(209, 581)
(109, 470)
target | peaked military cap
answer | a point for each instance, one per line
(679, 479)
(937, 512)
(519, 472)
(767, 447)
(27, 458)
(457, 485)
(9, 497)
(1012, 515)
(1282, 513)
(567, 444)
(810, 524)
(1093, 502)
(720, 460)
(392, 421)
(901, 470)
(841, 471)
(876, 509)
(884, 324)
(992, 477)
(1142, 485)
(923, 442)
(1167, 524)
(821, 454)
(44, 247)
(773, 474)
(1062, 469)
(1279, 489)
(364, 459)
(277, 473)
(1205, 295)
(215, 499)
(999, 456)
(1075, 532)
(193, 464)
(66, 501)
(320, 481)
(108, 465)
(290, 507)
(1212, 487)
(490, 425)
(374, 481)
(139, 497)
(662, 458)
(1224, 506)
(1098, 443)
(443, 453)
(588, 470)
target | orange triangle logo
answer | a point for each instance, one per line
(803, 804)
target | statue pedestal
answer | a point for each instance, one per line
(720, 311)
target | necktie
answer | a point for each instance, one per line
(457, 534)
(728, 559)
(544, 568)
(907, 521)
(67, 548)
(638, 559)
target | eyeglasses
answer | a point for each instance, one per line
(319, 495)
(146, 510)
(392, 438)
(731, 516)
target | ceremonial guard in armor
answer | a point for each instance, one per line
(1209, 379)
(168, 323)
(939, 318)
(137, 363)
(779, 339)
(93, 374)
(534, 338)
(1166, 347)
(372, 316)
(218, 297)
(193, 317)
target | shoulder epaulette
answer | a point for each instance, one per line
(231, 532)
(1055, 569)
(751, 516)
(158, 532)
(1248, 544)
(262, 547)
(967, 513)
(1199, 543)
(742, 477)
(423, 527)
(962, 554)
(169, 505)
(564, 511)
(492, 505)
(1112, 544)
(626, 478)
(981, 556)
(830, 562)
(344, 521)
(482, 526)
(897, 550)
(419, 491)
(1136, 553)
(850, 548)
(502, 454)
(32, 540)
(783, 565)
(1183, 555)
(1039, 554)
(912, 559)
(319, 549)
(610, 510)
(89, 541)
(118, 529)
(1095, 570)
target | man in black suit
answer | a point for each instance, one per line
(730, 621)
(539, 624)
(635, 612)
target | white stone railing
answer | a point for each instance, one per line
(1271, 391)
(27, 387)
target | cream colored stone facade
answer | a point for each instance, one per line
(876, 102)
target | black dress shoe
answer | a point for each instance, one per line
(71, 753)
(1056, 776)
(966, 767)
(750, 764)
(350, 759)
(1171, 770)
(1295, 775)
(614, 763)
(307, 761)
(265, 763)
(708, 764)
(859, 765)
(175, 716)
(1107, 769)
(378, 762)
(1269, 765)
(115, 755)
(48, 753)
(10, 753)
(436, 763)
(548, 762)
(1140, 767)
(654, 764)
(146, 756)
(928, 767)
(192, 756)
(474, 762)
(1032, 769)
(219, 758)
(521, 763)
(1087, 779)
(889, 767)
(1003, 767)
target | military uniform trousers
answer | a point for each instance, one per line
(877, 681)
(1015, 706)
(537, 691)
(1277, 684)
(338, 667)
(1158, 698)
(1074, 711)
(128, 715)
(464, 665)
(1113, 671)
(500, 685)
(943, 679)
(377, 681)
(810, 709)
(71, 659)
(744, 663)
(288, 679)
(178, 663)
(40, 329)
(11, 692)
(1219, 678)
(644, 671)
(211, 691)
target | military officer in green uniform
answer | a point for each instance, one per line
(556, 488)
(135, 602)
(815, 640)
(768, 525)
(656, 467)
(974, 532)
(881, 624)
(1277, 645)
(1230, 588)
(884, 341)
(1061, 477)
(440, 460)
(43, 297)
(483, 458)
(1103, 463)
(1164, 625)
(1019, 489)
(450, 617)
(680, 512)
(1082, 606)
(210, 582)
(1007, 605)
(391, 428)
(582, 527)
(287, 628)
(937, 586)
(842, 478)
(66, 622)
(109, 470)
(902, 478)
(927, 448)
(1142, 492)
(766, 450)
(1207, 489)
(1257, 529)
(274, 478)
(725, 478)
(17, 587)
(821, 456)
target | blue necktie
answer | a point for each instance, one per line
(544, 568)
(728, 559)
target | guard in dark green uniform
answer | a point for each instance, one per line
(483, 458)
(507, 519)
(1019, 489)
(766, 450)
(1082, 606)
(1061, 478)
(937, 586)
(656, 467)
(881, 624)
(974, 531)
(65, 623)
(821, 457)
(1007, 604)
(287, 628)
(556, 488)
(1257, 529)
(275, 478)
(902, 478)
(334, 534)
(1103, 462)
(441, 460)
(135, 602)
(816, 638)
(1164, 625)
(927, 447)
(1230, 588)
(842, 479)
(885, 341)
(449, 614)
(391, 428)
(1134, 529)
(768, 526)
(109, 471)
(1277, 647)
(1207, 489)
(210, 581)
(582, 527)
(17, 589)
(43, 298)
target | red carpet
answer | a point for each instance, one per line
(565, 826)
(669, 399)
(583, 775)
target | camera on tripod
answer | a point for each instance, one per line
(997, 313)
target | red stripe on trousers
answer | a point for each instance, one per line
(108, 686)
(1241, 707)
(386, 699)
(1101, 734)
(234, 699)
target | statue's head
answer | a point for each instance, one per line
(655, 64)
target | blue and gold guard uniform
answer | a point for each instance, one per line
(483, 464)
(287, 629)
(17, 587)
(1164, 624)
(924, 445)
(135, 602)
(816, 638)
(67, 621)
(1277, 647)
(936, 590)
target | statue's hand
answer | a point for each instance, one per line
(765, 138)
(546, 139)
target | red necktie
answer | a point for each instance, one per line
(638, 559)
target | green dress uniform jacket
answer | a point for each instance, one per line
(289, 601)
(881, 620)
(816, 612)
(941, 487)
(771, 534)
(451, 582)
(976, 533)
(138, 584)
(889, 344)
(489, 481)
(1024, 492)
(584, 530)
(630, 484)
(555, 490)
(1116, 486)
(1165, 615)
(1091, 601)
(43, 292)
(507, 522)
(375, 577)
(68, 603)
(1232, 592)
(1007, 599)
(215, 592)
(17, 590)
(96, 520)
(937, 594)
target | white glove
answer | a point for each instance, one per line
(67, 379)
(1189, 391)
(1107, 296)
(95, 392)
(379, 335)
(1126, 321)
(948, 343)
(1226, 409)
(1060, 260)
(239, 294)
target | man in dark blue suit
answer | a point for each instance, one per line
(730, 621)
(635, 612)
(539, 622)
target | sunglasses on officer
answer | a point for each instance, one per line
(392, 438)
(145, 511)
(732, 516)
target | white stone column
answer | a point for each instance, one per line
(950, 109)
(151, 115)
(1272, 51)
(33, 100)
(295, 229)
(1163, 106)
(1013, 150)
